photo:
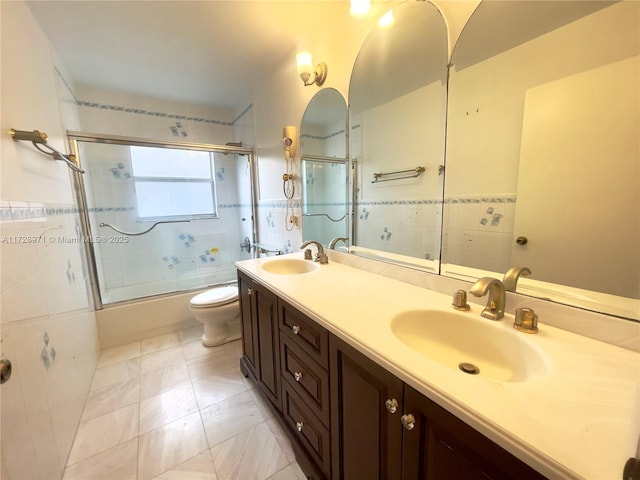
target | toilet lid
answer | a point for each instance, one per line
(215, 296)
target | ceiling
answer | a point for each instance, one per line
(203, 52)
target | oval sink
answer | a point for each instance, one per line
(289, 266)
(461, 341)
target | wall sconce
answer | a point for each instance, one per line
(386, 20)
(359, 8)
(307, 72)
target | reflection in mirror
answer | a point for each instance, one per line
(397, 106)
(324, 168)
(543, 160)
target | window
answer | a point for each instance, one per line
(172, 183)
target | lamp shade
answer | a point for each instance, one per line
(359, 8)
(304, 62)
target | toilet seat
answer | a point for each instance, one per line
(215, 297)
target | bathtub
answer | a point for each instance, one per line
(122, 323)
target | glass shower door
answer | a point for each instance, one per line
(324, 199)
(164, 219)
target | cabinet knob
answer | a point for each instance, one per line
(295, 329)
(297, 376)
(299, 426)
(392, 405)
(250, 291)
(5, 370)
(408, 421)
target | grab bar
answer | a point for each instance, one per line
(135, 234)
(38, 138)
(411, 173)
(324, 215)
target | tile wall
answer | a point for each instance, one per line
(478, 231)
(399, 216)
(48, 332)
(47, 328)
(172, 256)
(325, 184)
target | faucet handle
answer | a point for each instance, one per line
(307, 254)
(526, 320)
(460, 301)
(322, 258)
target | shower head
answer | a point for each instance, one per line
(35, 136)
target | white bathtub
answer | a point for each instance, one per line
(147, 317)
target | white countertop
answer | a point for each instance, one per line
(580, 421)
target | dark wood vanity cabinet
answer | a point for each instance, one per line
(437, 445)
(348, 417)
(366, 438)
(260, 337)
(384, 429)
(304, 357)
(249, 326)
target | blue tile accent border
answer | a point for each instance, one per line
(278, 203)
(318, 137)
(483, 199)
(138, 111)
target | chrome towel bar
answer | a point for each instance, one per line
(411, 173)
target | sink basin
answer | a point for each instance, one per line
(289, 266)
(462, 341)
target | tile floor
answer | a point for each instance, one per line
(169, 408)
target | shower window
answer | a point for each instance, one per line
(173, 183)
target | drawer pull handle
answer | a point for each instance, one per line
(392, 405)
(299, 426)
(250, 291)
(297, 376)
(408, 421)
(295, 329)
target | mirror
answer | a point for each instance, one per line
(323, 137)
(543, 158)
(397, 108)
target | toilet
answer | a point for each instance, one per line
(219, 311)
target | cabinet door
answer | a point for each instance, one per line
(366, 438)
(439, 446)
(249, 326)
(266, 315)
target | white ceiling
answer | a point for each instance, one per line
(203, 52)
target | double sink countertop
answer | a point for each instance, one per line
(580, 419)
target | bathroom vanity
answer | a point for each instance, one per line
(326, 345)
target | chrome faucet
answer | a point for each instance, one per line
(332, 244)
(320, 256)
(497, 298)
(510, 279)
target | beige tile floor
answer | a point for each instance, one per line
(168, 408)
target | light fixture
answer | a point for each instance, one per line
(307, 72)
(386, 20)
(359, 8)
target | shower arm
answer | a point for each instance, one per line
(136, 234)
(38, 138)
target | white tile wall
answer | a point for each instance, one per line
(46, 326)
(478, 231)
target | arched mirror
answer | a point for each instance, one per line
(324, 168)
(397, 107)
(543, 160)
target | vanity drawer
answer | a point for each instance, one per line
(312, 434)
(307, 378)
(306, 333)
